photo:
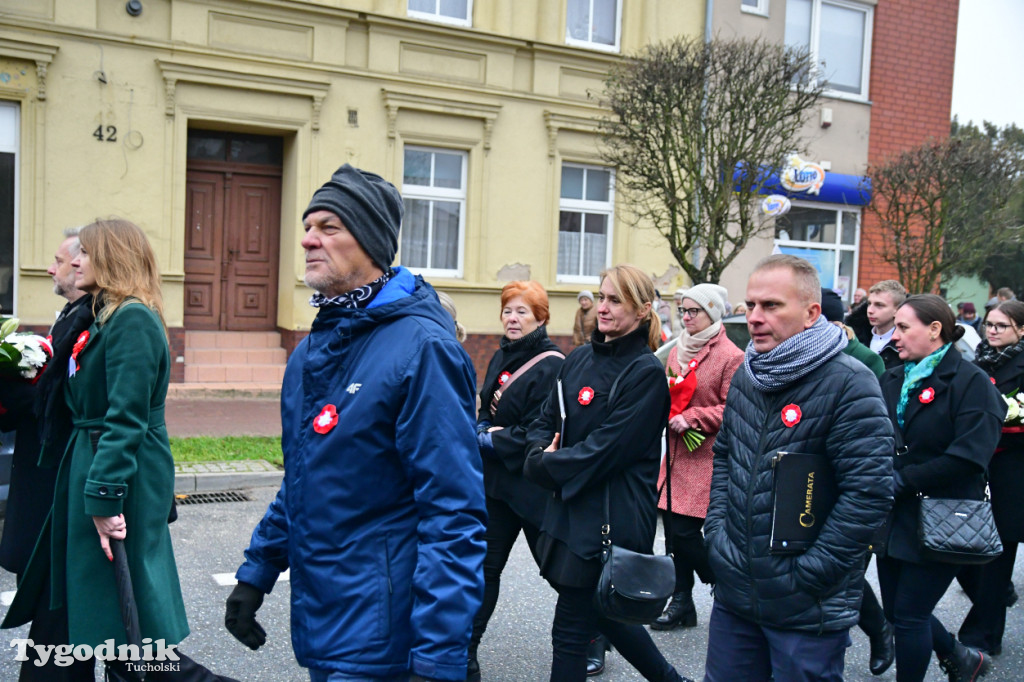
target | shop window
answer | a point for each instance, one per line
(827, 237)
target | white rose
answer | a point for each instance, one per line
(1013, 410)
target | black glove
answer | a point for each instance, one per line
(240, 617)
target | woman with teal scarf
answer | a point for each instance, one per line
(948, 417)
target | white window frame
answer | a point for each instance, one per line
(442, 18)
(837, 246)
(424, 193)
(584, 206)
(761, 9)
(569, 40)
(815, 38)
(14, 148)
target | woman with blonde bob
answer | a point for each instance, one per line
(519, 378)
(606, 442)
(116, 480)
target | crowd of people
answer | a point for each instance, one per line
(405, 489)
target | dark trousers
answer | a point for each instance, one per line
(739, 649)
(185, 670)
(684, 540)
(909, 594)
(503, 526)
(987, 585)
(872, 618)
(576, 620)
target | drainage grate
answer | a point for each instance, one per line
(206, 498)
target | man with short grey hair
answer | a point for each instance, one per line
(777, 612)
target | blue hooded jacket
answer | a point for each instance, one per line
(381, 513)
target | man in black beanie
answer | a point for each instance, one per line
(381, 513)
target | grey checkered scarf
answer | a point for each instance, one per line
(795, 357)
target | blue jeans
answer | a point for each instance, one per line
(329, 676)
(739, 649)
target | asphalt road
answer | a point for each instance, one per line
(209, 539)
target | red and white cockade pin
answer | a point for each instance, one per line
(586, 395)
(503, 377)
(693, 364)
(326, 420)
(73, 364)
(993, 380)
(927, 395)
(791, 415)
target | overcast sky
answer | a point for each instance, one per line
(988, 79)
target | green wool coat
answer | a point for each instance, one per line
(118, 461)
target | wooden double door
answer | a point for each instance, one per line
(232, 246)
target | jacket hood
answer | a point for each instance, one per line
(404, 295)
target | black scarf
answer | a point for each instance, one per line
(50, 407)
(514, 353)
(357, 298)
(990, 359)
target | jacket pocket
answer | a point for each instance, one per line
(385, 589)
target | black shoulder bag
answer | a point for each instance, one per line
(633, 588)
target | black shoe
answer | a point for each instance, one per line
(964, 664)
(595, 655)
(1011, 596)
(680, 612)
(883, 650)
(473, 670)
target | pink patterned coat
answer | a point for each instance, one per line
(717, 361)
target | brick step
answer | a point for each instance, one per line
(225, 340)
(235, 356)
(234, 374)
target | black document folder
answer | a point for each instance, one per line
(803, 493)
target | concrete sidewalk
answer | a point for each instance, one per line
(200, 416)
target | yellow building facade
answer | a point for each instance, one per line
(211, 123)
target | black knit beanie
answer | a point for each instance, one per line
(831, 305)
(369, 206)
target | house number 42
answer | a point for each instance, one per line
(107, 134)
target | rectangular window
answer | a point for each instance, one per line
(458, 12)
(434, 188)
(9, 128)
(593, 23)
(827, 237)
(838, 35)
(755, 7)
(585, 222)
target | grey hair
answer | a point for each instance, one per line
(808, 282)
(76, 246)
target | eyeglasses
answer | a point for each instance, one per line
(997, 327)
(692, 312)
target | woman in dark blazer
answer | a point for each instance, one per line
(519, 378)
(606, 441)
(1001, 355)
(948, 418)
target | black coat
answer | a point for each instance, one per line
(518, 407)
(1006, 470)
(890, 356)
(962, 421)
(615, 444)
(842, 417)
(39, 414)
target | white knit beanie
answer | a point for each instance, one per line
(710, 297)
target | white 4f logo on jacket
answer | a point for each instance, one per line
(352, 388)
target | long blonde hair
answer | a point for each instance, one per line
(635, 287)
(124, 265)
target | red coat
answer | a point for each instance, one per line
(717, 361)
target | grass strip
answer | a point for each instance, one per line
(227, 449)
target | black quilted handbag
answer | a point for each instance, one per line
(954, 531)
(633, 588)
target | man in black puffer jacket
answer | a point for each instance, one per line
(789, 615)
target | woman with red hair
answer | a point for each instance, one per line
(519, 378)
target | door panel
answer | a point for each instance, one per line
(204, 228)
(252, 242)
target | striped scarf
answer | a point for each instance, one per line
(794, 358)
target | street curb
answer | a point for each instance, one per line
(194, 483)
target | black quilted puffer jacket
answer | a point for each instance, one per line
(841, 414)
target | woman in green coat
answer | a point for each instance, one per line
(116, 480)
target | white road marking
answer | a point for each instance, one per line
(7, 597)
(222, 579)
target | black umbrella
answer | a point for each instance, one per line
(126, 599)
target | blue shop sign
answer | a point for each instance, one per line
(809, 181)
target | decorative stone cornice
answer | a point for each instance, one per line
(556, 122)
(40, 53)
(395, 101)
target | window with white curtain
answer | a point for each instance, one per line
(755, 6)
(593, 23)
(459, 12)
(838, 35)
(9, 133)
(434, 189)
(585, 222)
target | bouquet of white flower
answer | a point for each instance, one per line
(22, 355)
(1014, 409)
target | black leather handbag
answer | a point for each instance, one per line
(955, 531)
